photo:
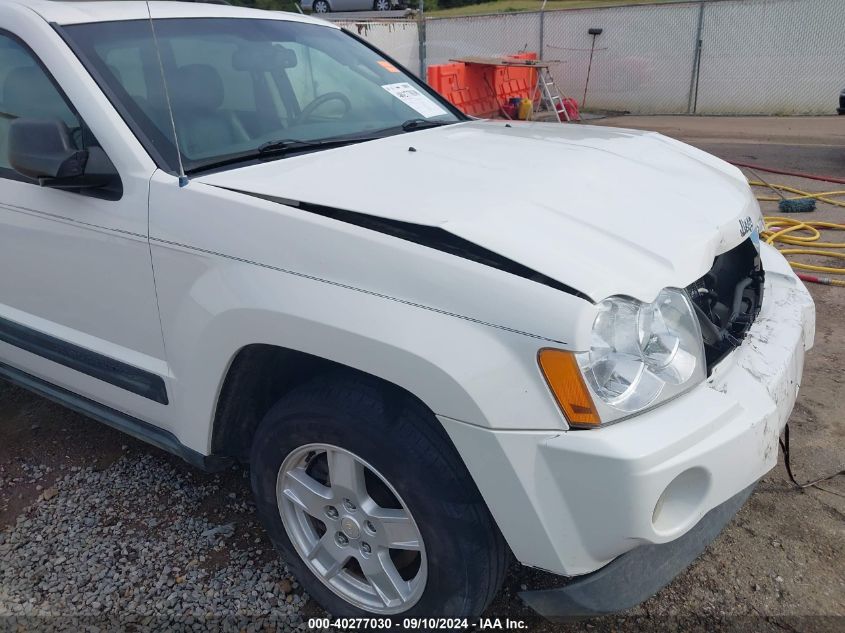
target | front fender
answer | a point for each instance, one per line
(232, 271)
(458, 368)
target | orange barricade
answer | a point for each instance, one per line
(482, 89)
(516, 81)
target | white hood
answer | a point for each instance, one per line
(605, 211)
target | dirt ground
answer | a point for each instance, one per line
(779, 566)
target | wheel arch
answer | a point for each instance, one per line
(258, 376)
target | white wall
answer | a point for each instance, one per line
(397, 38)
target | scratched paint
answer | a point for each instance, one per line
(772, 354)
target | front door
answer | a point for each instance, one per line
(77, 297)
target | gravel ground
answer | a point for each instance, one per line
(133, 540)
(101, 532)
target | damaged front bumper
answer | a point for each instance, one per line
(635, 576)
(572, 502)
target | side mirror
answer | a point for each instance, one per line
(41, 149)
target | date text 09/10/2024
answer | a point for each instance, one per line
(408, 624)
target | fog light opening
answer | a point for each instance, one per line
(680, 503)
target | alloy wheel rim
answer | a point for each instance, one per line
(351, 528)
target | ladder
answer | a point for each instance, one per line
(549, 96)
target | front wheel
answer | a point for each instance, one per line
(370, 505)
(382, 5)
(321, 6)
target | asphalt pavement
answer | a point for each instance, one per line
(814, 145)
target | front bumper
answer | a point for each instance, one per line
(571, 502)
(636, 575)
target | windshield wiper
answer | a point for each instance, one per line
(278, 149)
(283, 146)
(421, 124)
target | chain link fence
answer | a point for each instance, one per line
(643, 60)
(484, 35)
(702, 57)
(771, 57)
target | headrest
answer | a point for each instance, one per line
(197, 87)
(27, 92)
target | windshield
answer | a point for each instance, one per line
(240, 85)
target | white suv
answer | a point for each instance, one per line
(437, 342)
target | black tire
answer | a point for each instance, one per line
(323, 3)
(401, 438)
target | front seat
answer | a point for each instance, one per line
(203, 128)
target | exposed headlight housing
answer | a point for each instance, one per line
(642, 354)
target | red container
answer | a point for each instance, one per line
(571, 107)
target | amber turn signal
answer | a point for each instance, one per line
(567, 384)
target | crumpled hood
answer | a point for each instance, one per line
(602, 210)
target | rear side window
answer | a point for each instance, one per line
(26, 90)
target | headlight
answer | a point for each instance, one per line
(642, 354)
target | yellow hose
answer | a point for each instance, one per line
(787, 231)
(799, 195)
(783, 231)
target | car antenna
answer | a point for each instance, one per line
(183, 178)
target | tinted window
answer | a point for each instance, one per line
(27, 91)
(235, 84)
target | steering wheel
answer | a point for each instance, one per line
(308, 110)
